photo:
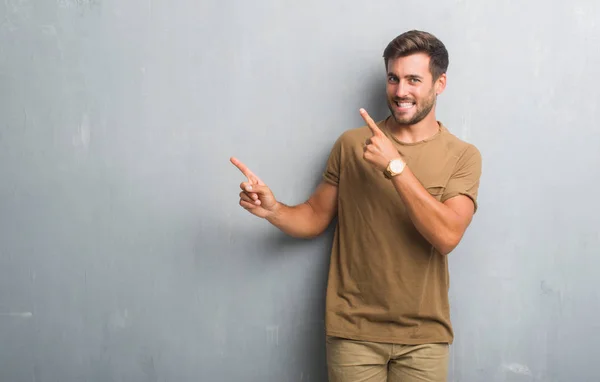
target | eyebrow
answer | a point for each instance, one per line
(407, 76)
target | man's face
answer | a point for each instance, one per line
(411, 92)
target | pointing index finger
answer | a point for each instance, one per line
(246, 171)
(372, 125)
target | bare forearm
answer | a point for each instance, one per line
(300, 221)
(438, 223)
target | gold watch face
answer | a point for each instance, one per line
(396, 166)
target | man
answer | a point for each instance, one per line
(404, 190)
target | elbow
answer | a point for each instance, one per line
(447, 244)
(311, 232)
(318, 229)
(309, 235)
(445, 250)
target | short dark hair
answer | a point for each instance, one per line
(415, 41)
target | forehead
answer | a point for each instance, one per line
(417, 64)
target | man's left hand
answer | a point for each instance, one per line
(378, 149)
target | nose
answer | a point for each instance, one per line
(401, 90)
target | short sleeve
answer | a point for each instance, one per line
(465, 179)
(332, 169)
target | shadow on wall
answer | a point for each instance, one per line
(306, 337)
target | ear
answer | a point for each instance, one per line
(440, 84)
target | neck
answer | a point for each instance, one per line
(417, 132)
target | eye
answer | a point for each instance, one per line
(392, 79)
(415, 80)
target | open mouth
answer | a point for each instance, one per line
(404, 106)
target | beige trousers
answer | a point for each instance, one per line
(361, 361)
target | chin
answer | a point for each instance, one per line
(403, 119)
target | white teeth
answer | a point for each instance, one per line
(405, 104)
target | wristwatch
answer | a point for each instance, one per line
(395, 167)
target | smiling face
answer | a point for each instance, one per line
(411, 90)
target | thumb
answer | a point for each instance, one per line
(260, 189)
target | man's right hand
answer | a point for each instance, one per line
(255, 197)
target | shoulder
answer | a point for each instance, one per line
(354, 136)
(357, 134)
(460, 148)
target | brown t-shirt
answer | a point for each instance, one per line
(386, 282)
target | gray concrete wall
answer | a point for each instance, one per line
(124, 255)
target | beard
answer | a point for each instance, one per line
(424, 107)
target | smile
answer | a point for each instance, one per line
(403, 106)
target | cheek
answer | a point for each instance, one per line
(391, 90)
(425, 94)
